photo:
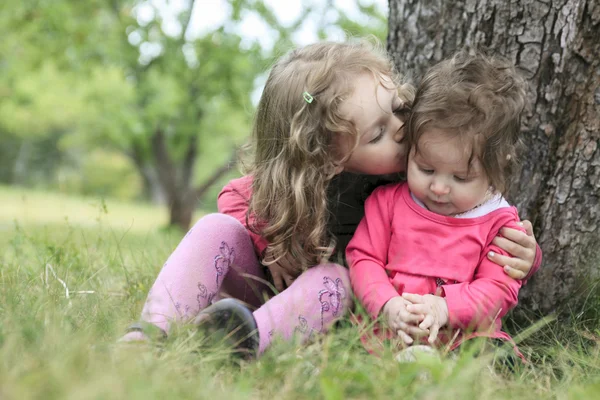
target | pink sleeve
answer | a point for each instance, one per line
(234, 201)
(477, 304)
(537, 262)
(367, 252)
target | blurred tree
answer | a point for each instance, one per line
(105, 79)
(117, 75)
(45, 50)
(172, 81)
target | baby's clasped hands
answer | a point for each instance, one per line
(433, 308)
(402, 321)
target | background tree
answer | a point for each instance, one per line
(106, 97)
(108, 78)
(556, 44)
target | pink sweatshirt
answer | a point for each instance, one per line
(234, 200)
(401, 247)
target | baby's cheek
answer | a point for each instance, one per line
(413, 184)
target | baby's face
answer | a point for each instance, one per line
(440, 176)
(371, 108)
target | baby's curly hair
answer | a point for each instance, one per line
(479, 97)
(294, 152)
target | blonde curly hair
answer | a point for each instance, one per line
(294, 143)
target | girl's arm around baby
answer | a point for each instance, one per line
(490, 295)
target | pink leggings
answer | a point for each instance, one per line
(216, 259)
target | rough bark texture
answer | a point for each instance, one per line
(557, 45)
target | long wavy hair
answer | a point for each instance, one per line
(294, 143)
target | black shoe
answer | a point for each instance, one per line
(232, 321)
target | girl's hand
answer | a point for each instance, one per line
(522, 247)
(435, 310)
(283, 272)
(401, 321)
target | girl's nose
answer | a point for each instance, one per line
(439, 188)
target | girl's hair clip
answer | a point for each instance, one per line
(307, 97)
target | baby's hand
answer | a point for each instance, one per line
(434, 308)
(401, 320)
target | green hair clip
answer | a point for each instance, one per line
(307, 97)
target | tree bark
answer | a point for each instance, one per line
(556, 43)
(181, 210)
(175, 185)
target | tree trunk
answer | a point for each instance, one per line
(181, 210)
(556, 43)
(176, 181)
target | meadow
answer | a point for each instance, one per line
(59, 345)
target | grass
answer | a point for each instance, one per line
(31, 207)
(54, 347)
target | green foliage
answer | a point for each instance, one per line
(45, 102)
(111, 117)
(102, 173)
(81, 76)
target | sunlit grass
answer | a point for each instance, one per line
(41, 207)
(54, 347)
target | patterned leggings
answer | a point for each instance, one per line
(216, 259)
